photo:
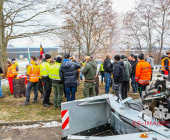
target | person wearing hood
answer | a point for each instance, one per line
(89, 72)
(56, 83)
(165, 65)
(133, 82)
(142, 74)
(33, 72)
(67, 74)
(45, 67)
(150, 60)
(118, 76)
(127, 73)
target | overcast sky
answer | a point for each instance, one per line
(120, 6)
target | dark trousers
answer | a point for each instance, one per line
(47, 87)
(125, 85)
(152, 73)
(29, 88)
(141, 88)
(73, 91)
(134, 84)
(118, 90)
(40, 87)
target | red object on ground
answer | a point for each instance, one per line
(166, 72)
(11, 84)
(24, 76)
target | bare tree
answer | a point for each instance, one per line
(90, 23)
(20, 18)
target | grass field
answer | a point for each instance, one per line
(12, 110)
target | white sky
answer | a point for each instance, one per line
(120, 6)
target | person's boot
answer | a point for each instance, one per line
(26, 103)
(101, 84)
(42, 97)
(35, 102)
(46, 105)
(50, 103)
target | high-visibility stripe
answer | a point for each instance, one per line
(65, 119)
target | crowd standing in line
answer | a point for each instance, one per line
(64, 75)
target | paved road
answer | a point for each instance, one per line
(32, 134)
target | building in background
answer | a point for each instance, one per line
(17, 52)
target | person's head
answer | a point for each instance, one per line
(109, 56)
(78, 58)
(117, 58)
(130, 57)
(168, 53)
(87, 58)
(59, 59)
(122, 57)
(48, 57)
(141, 56)
(8, 63)
(33, 58)
(102, 60)
(67, 56)
(135, 58)
(92, 58)
(13, 59)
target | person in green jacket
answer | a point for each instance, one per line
(89, 72)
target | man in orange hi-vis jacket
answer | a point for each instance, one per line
(143, 73)
(33, 72)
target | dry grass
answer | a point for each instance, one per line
(12, 110)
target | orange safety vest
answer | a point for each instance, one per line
(33, 70)
(9, 72)
(14, 70)
(163, 64)
(143, 72)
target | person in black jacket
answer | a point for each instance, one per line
(1, 95)
(68, 76)
(133, 82)
(108, 71)
(118, 74)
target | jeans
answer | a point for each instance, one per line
(29, 88)
(47, 87)
(102, 77)
(134, 84)
(81, 76)
(0, 90)
(73, 91)
(107, 84)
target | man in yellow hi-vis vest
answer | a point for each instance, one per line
(165, 65)
(56, 83)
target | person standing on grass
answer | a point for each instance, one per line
(44, 69)
(118, 76)
(33, 72)
(143, 74)
(102, 72)
(57, 83)
(10, 76)
(150, 60)
(108, 68)
(165, 64)
(89, 72)
(127, 73)
(68, 76)
(133, 82)
(1, 73)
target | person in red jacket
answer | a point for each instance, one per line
(143, 73)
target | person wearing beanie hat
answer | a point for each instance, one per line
(44, 69)
(127, 73)
(142, 74)
(134, 84)
(57, 84)
(118, 76)
(68, 76)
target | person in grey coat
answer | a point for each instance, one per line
(150, 60)
(127, 73)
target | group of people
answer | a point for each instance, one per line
(63, 75)
(123, 69)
